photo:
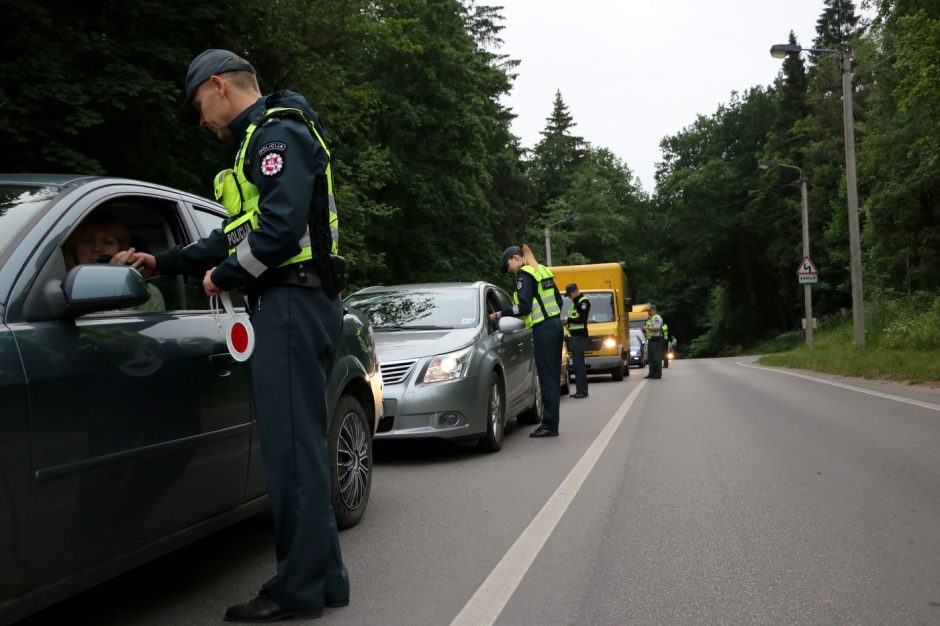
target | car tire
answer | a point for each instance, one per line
(666, 363)
(617, 373)
(492, 441)
(351, 455)
(565, 380)
(533, 415)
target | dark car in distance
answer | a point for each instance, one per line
(127, 431)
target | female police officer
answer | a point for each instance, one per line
(537, 301)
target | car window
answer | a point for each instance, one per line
(423, 309)
(151, 225)
(208, 219)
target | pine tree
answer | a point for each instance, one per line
(836, 25)
(557, 155)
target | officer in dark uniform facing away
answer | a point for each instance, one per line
(577, 322)
(537, 301)
(277, 246)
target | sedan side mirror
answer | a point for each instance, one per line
(86, 289)
(510, 325)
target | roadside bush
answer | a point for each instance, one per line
(914, 324)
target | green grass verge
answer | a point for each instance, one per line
(834, 353)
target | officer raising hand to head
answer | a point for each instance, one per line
(537, 301)
(277, 246)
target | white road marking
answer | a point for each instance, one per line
(887, 396)
(490, 599)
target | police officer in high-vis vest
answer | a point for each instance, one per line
(277, 247)
(537, 301)
(655, 342)
(577, 322)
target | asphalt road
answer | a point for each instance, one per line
(722, 494)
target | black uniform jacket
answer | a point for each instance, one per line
(583, 304)
(282, 160)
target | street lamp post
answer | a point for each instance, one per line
(807, 288)
(548, 242)
(780, 51)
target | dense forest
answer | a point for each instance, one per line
(432, 184)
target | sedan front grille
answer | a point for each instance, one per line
(397, 372)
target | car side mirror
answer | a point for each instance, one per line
(509, 325)
(628, 305)
(96, 287)
(86, 288)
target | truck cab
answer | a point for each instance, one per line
(605, 284)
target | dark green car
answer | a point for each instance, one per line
(126, 428)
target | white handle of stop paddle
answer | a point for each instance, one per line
(239, 333)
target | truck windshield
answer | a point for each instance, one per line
(602, 306)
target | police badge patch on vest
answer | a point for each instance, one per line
(272, 164)
(272, 158)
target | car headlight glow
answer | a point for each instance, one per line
(609, 342)
(634, 352)
(449, 366)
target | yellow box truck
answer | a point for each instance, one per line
(608, 348)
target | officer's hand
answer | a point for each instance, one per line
(144, 263)
(209, 286)
(123, 258)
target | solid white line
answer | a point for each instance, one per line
(887, 396)
(490, 599)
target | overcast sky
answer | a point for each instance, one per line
(635, 71)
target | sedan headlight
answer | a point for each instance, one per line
(449, 366)
(609, 342)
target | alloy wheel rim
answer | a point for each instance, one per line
(352, 461)
(495, 403)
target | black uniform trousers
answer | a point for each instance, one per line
(296, 333)
(578, 344)
(548, 336)
(656, 345)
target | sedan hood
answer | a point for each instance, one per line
(399, 345)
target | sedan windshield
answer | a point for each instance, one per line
(418, 310)
(18, 205)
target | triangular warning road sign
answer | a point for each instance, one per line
(806, 268)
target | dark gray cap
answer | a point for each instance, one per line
(652, 307)
(508, 253)
(571, 287)
(208, 64)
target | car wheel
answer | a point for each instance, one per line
(351, 452)
(533, 415)
(492, 441)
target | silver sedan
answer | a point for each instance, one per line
(449, 372)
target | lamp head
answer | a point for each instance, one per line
(781, 50)
(764, 164)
